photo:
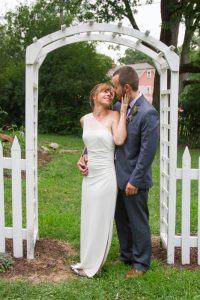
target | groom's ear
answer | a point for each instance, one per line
(127, 88)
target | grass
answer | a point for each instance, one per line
(59, 218)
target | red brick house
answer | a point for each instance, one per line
(146, 74)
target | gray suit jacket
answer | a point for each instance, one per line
(135, 156)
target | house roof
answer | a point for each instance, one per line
(142, 66)
(139, 68)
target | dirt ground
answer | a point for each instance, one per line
(44, 158)
(52, 263)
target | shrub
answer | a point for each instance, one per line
(189, 119)
(6, 262)
(13, 131)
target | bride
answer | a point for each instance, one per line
(102, 129)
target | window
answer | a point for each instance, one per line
(148, 73)
(148, 90)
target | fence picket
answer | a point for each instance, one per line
(2, 211)
(17, 199)
(186, 207)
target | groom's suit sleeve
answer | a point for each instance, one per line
(149, 138)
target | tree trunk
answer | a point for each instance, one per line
(169, 36)
(156, 92)
(185, 53)
(62, 2)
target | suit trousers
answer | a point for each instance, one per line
(132, 222)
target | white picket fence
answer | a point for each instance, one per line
(16, 232)
(185, 240)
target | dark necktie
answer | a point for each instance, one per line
(128, 110)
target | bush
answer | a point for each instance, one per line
(189, 119)
(3, 115)
(6, 261)
(13, 131)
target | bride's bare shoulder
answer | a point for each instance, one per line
(115, 114)
(82, 119)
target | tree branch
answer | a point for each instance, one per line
(130, 14)
(189, 68)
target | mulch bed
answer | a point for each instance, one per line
(51, 262)
(44, 158)
(160, 253)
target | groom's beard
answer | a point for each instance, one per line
(119, 97)
(123, 93)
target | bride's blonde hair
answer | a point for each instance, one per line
(99, 88)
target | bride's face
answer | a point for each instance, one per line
(104, 97)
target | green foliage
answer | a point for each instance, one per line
(66, 77)
(3, 115)
(135, 57)
(38, 20)
(189, 119)
(6, 262)
(102, 10)
(12, 97)
(13, 131)
(19, 132)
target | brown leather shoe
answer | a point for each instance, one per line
(134, 273)
(125, 262)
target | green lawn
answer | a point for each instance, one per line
(59, 218)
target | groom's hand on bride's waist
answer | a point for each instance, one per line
(82, 165)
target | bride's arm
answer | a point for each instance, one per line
(119, 124)
(82, 162)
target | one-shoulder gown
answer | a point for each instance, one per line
(99, 192)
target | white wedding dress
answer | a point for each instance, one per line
(99, 192)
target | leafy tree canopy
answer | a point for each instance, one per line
(66, 76)
(135, 57)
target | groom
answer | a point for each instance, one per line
(133, 170)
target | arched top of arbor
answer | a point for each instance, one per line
(163, 56)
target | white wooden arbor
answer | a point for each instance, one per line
(166, 60)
